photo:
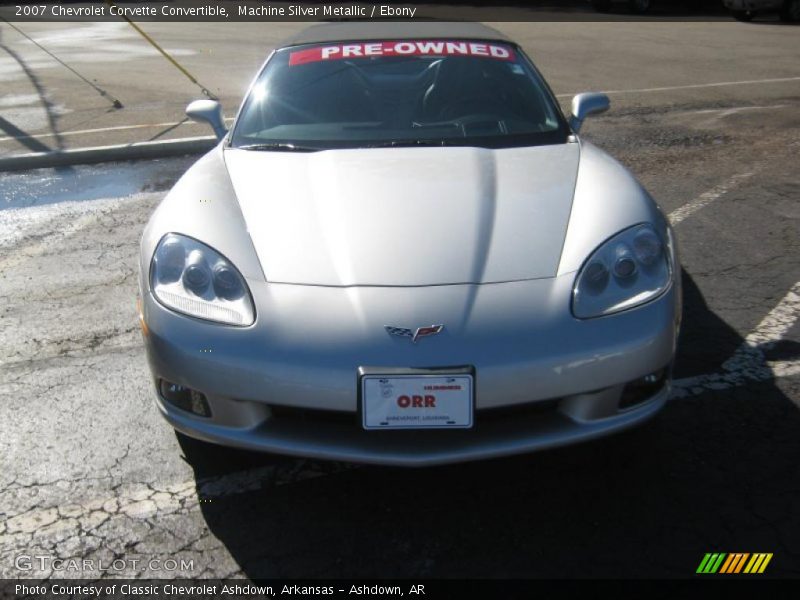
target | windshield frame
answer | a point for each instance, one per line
(562, 134)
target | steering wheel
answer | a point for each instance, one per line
(473, 104)
(498, 121)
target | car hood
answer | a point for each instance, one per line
(406, 216)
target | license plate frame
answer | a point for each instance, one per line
(452, 409)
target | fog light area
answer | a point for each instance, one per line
(642, 389)
(184, 398)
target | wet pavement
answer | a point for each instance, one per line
(39, 187)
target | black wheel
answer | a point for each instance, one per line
(640, 6)
(602, 5)
(790, 11)
(742, 15)
(194, 449)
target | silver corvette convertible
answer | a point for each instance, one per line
(403, 253)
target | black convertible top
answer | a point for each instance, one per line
(372, 30)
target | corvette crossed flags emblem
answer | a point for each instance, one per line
(414, 334)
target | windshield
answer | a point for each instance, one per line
(396, 93)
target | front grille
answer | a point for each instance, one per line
(483, 415)
(312, 414)
(528, 409)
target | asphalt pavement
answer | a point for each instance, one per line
(707, 115)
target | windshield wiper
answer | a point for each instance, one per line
(279, 147)
(290, 147)
(410, 143)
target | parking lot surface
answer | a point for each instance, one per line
(707, 115)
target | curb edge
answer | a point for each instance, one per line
(98, 154)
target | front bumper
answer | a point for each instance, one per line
(288, 384)
(334, 438)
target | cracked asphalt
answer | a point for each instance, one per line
(89, 471)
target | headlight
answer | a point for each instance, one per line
(191, 278)
(631, 268)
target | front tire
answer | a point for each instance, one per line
(742, 15)
(640, 7)
(194, 450)
(790, 11)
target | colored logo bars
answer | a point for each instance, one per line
(737, 562)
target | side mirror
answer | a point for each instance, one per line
(209, 111)
(584, 105)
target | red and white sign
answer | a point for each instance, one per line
(417, 401)
(401, 48)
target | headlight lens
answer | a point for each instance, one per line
(630, 269)
(191, 278)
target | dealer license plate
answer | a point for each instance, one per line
(441, 401)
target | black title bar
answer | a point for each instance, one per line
(277, 10)
(408, 589)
